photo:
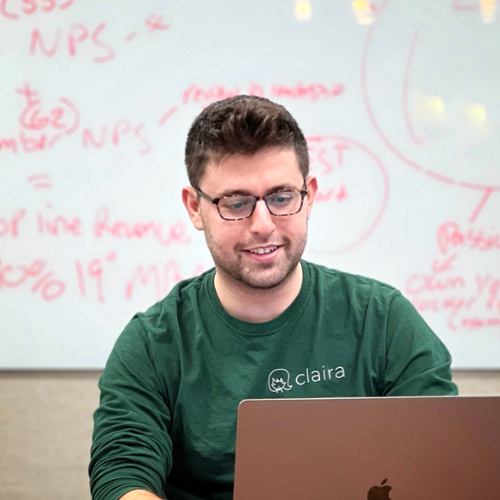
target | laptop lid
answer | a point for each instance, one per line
(432, 448)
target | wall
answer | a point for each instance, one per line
(399, 103)
(46, 427)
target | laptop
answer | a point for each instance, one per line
(407, 448)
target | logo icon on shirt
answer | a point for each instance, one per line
(279, 380)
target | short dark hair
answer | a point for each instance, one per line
(241, 125)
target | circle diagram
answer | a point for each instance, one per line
(429, 79)
(353, 190)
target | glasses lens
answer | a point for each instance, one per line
(236, 207)
(284, 202)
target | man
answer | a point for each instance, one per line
(262, 324)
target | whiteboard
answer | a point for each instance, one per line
(400, 104)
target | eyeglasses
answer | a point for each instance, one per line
(241, 206)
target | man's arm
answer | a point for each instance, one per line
(417, 362)
(131, 446)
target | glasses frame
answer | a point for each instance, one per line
(215, 201)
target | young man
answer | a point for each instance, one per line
(262, 324)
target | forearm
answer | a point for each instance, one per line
(139, 495)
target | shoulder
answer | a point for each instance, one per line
(184, 295)
(351, 287)
(160, 325)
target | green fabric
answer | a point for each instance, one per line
(172, 385)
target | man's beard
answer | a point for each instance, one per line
(262, 276)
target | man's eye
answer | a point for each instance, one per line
(280, 198)
(237, 203)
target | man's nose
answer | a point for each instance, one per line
(261, 220)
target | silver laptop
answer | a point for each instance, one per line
(418, 448)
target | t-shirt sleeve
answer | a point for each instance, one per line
(417, 361)
(131, 447)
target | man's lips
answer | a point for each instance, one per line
(262, 250)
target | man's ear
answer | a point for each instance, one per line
(190, 200)
(312, 187)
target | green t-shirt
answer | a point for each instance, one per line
(171, 387)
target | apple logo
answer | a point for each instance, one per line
(379, 492)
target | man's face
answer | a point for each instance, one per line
(234, 245)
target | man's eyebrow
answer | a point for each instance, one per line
(232, 192)
(245, 192)
(286, 185)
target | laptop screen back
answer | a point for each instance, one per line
(433, 448)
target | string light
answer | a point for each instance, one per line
(303, 10)
(487, 8)
(364, 11)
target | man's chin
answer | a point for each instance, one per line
(265, 278)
